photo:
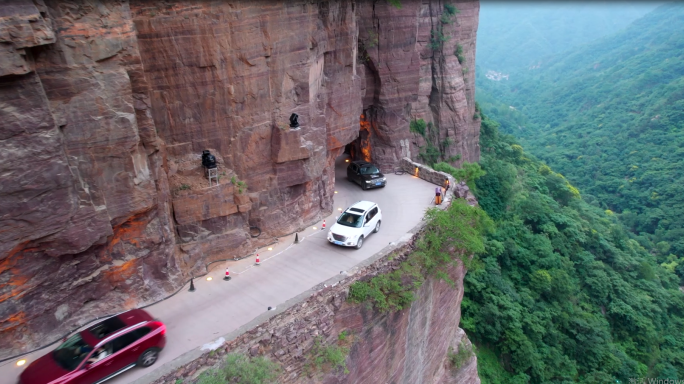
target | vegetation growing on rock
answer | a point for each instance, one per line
(451, 235)
(324, 358)
(459, 357)
(240, 369)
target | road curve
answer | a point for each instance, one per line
(219, 307)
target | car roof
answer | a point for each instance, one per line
(364, 205)
(105, 328)
(361, 162)
(135, 316)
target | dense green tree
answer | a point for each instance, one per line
(563, 293)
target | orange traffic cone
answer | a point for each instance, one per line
(227, 276)
(257, 260)
(323, 227)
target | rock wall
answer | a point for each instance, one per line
(106, 106)
(85, 219)
(409, 346)
(408, 76)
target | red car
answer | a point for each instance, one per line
(101, 352)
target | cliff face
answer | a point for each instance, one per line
(106, 107)
(84, 201)
(406, 347)
(407, 78)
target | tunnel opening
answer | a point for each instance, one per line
(360, 148)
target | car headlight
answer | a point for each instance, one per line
(383, 179)
(369, 181)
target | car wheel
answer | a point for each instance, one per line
(359, 243)
(377, 227)
(364, 186)
(148, 357)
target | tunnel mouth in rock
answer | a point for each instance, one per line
(360, 148)
(254, 231)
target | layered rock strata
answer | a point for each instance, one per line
(84, 202)
(412, 71)
(105, 108)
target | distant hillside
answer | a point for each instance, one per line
(561, 294)
(518, 34)
(610, 117)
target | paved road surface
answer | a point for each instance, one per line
(218, 307)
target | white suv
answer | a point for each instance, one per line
(355, 224)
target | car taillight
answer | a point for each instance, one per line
(162, 327)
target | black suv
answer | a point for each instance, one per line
(365, 174)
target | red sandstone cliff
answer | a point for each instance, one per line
(105, 107)
(409, 346)
(407, 79)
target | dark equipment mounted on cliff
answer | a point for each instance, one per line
(208, 160)
(294, 122)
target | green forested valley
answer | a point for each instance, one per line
(580, 281)
(609, 116)
(563, 294)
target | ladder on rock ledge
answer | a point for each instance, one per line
(212, 173)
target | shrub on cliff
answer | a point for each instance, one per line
(240, 369)
(462, 354)
(468, 173)
(458, 52)
(434, 150)
(324, 358)
(450, 11)
(454, 234)
(395, 3)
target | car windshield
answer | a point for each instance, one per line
(72, 352)
(369, 170)
(350, 220)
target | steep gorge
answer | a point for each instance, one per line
(106, 106)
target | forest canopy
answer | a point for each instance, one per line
(609, 116)
(563, 294)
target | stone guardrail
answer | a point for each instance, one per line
(445, 180)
